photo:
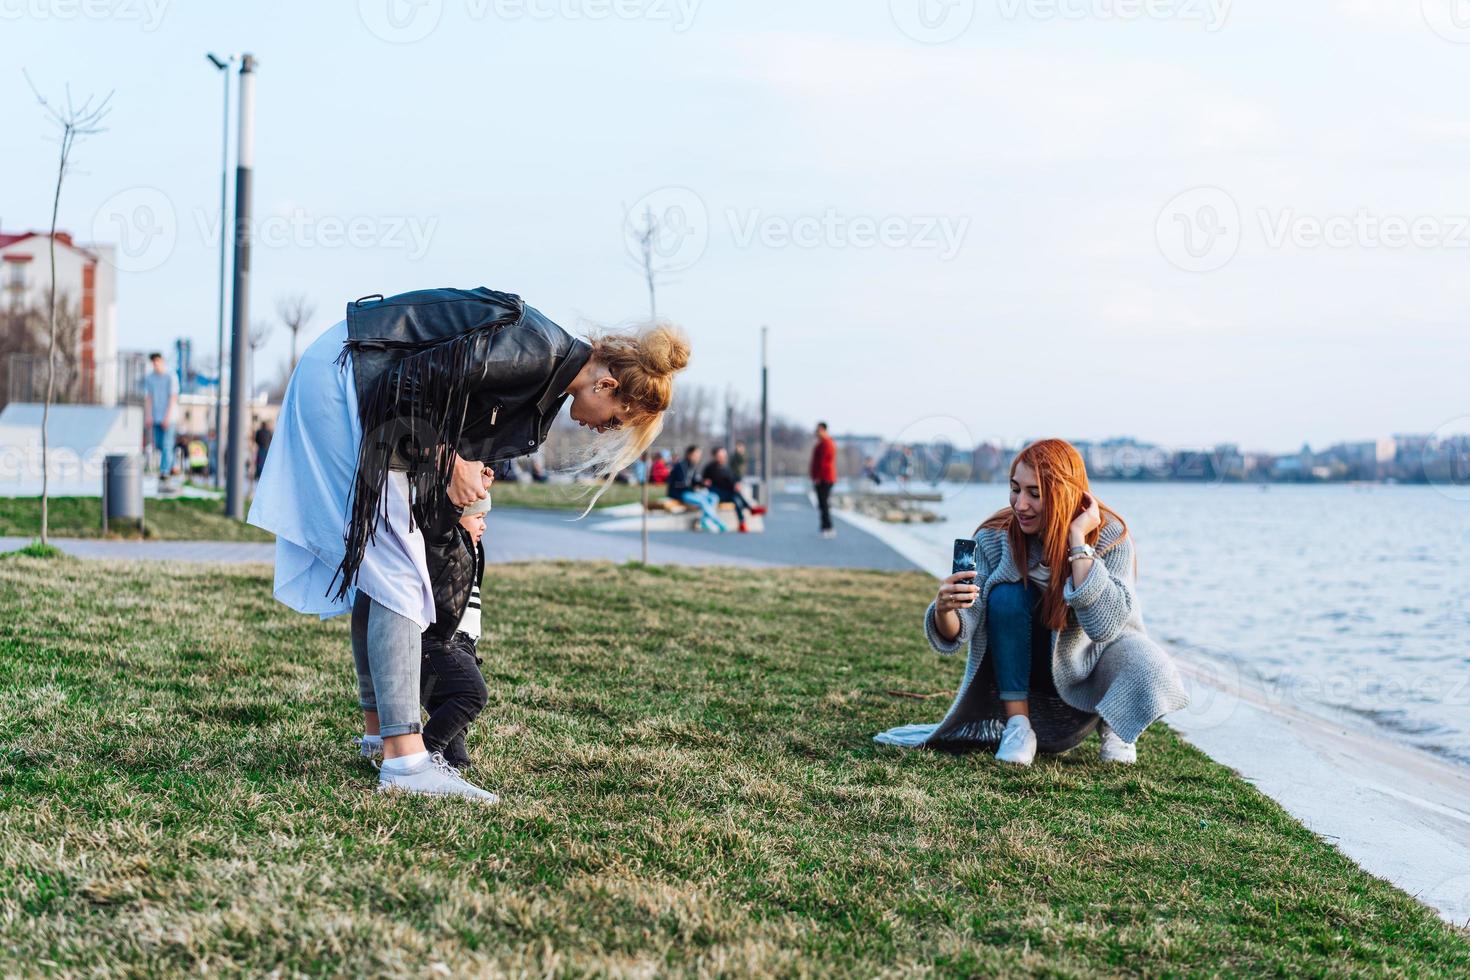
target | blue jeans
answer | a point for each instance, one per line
(707, 504)
(734, 497)
(387, 650)
(163, 441)
(1015, 636)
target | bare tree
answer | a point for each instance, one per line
(259, 336)
(647, 238)
(295, 311)
(74, 122)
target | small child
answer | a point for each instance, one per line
(450, 685)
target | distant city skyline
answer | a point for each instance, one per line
(1245, 226)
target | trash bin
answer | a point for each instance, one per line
(122, 487)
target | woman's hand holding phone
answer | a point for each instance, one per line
(959, 591)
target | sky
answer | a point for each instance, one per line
(1188, 221)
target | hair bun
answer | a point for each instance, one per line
(663, 350)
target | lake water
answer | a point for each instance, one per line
(1346, 600)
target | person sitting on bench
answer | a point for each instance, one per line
(686, 488)
(720, 479)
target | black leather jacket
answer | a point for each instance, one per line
(475, 370)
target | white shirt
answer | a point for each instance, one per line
(303, 494)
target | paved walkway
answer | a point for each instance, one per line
(791, 538)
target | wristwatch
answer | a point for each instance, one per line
(1080, 551)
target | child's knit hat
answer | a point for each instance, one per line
(481, 506)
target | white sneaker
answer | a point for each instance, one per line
(370, 747)
(1017, 742)
(1114, 749)
(434, 777)
(829, 533)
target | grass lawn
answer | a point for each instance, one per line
(689, 787)
(567, 496)
(174, 519)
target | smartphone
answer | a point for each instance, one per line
(964, 556)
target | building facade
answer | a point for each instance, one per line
(86, 277)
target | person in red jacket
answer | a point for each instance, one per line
(659, 473)
(824, 474)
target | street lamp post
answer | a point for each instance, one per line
(239, 366)
(219, 357)
(769, 500)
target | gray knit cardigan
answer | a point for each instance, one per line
(1103, 661)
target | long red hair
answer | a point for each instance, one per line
(1062, 478)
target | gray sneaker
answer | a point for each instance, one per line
(434, 777)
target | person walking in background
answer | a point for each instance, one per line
(739, 460)
(720, 479)
(160, 407)
(824, 475)
(687, 488)
(262, 445)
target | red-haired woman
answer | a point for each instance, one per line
(1074, 601)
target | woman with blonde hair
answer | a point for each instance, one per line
(1073, 609)
(402, 408)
